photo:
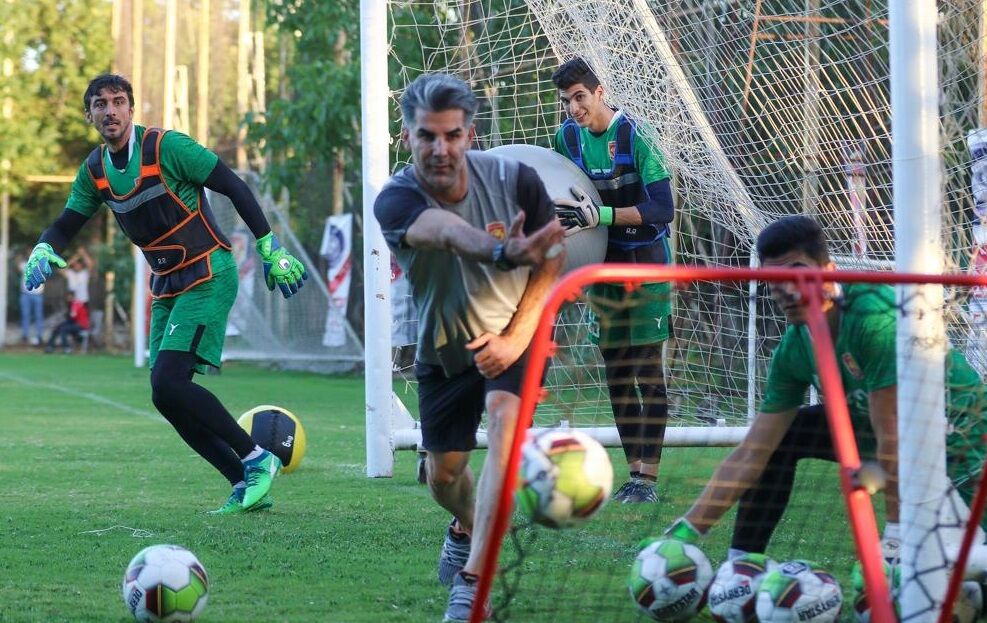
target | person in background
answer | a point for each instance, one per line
(77, 274)
(31, 306)
(629, 326)
(76, 321)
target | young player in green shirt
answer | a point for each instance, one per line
(153, 180)
(629, 327)
(863, 320)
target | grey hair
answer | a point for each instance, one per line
(437, 92)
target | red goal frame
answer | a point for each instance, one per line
(809, 282)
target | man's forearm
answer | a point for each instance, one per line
(735, 475)
(469, 243)
(887, 452)
(63, 229)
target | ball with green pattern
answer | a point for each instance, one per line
(799, 591)
(566, 477)
(861, 605)
(165, 583)
(733, 593)
(669, 580)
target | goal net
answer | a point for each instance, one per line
(825, 513)
(761, 107)
(305, 332)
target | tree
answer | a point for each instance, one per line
(311, 127)
(55, 47)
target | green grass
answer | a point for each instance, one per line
(85, 459)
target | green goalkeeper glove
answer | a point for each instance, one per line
(681, 530)
(38, 267)
(280, 267)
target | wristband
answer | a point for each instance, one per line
(606, 216)
(500, 259)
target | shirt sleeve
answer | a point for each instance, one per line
(396, 210)
(533, 199)
(650, 162)
(558, 144)
(874, 344)
(785, 389)
(84, 198)
(184, 159)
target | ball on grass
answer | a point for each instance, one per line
(277, 430)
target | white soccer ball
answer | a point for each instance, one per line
(733, 593)
(566, 477)
(798, 591)
(860, 601)
(165, 583)
(969, 605)
(669, 580)
(559, 174)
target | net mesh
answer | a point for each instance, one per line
(796, 510)
(761, 107)
(264, 326)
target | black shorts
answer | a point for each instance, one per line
(450, 408)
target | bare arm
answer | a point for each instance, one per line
(884, 420)
(740, 469)
(443, 230)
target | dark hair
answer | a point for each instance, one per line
(437, 92)
(575, 71)
(793, 233)
(115, 83)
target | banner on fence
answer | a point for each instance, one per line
(337, 249)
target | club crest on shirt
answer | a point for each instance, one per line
(497, 229)
(612, 148)
(851, 366)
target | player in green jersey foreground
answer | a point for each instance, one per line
(863, 319)
(153, 181)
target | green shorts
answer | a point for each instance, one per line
(195, 321)
(619, 317)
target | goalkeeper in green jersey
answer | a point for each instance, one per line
(629, 326)
(760, 472)
(153, 181)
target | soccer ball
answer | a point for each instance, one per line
(669, 580)
(165, 583)
(733, 594)
(566, 477)
(798, 591)
(861, 605)
(969, 604)
(277, 430)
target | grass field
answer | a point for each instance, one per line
(85, 461)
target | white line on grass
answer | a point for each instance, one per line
(80, 394)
